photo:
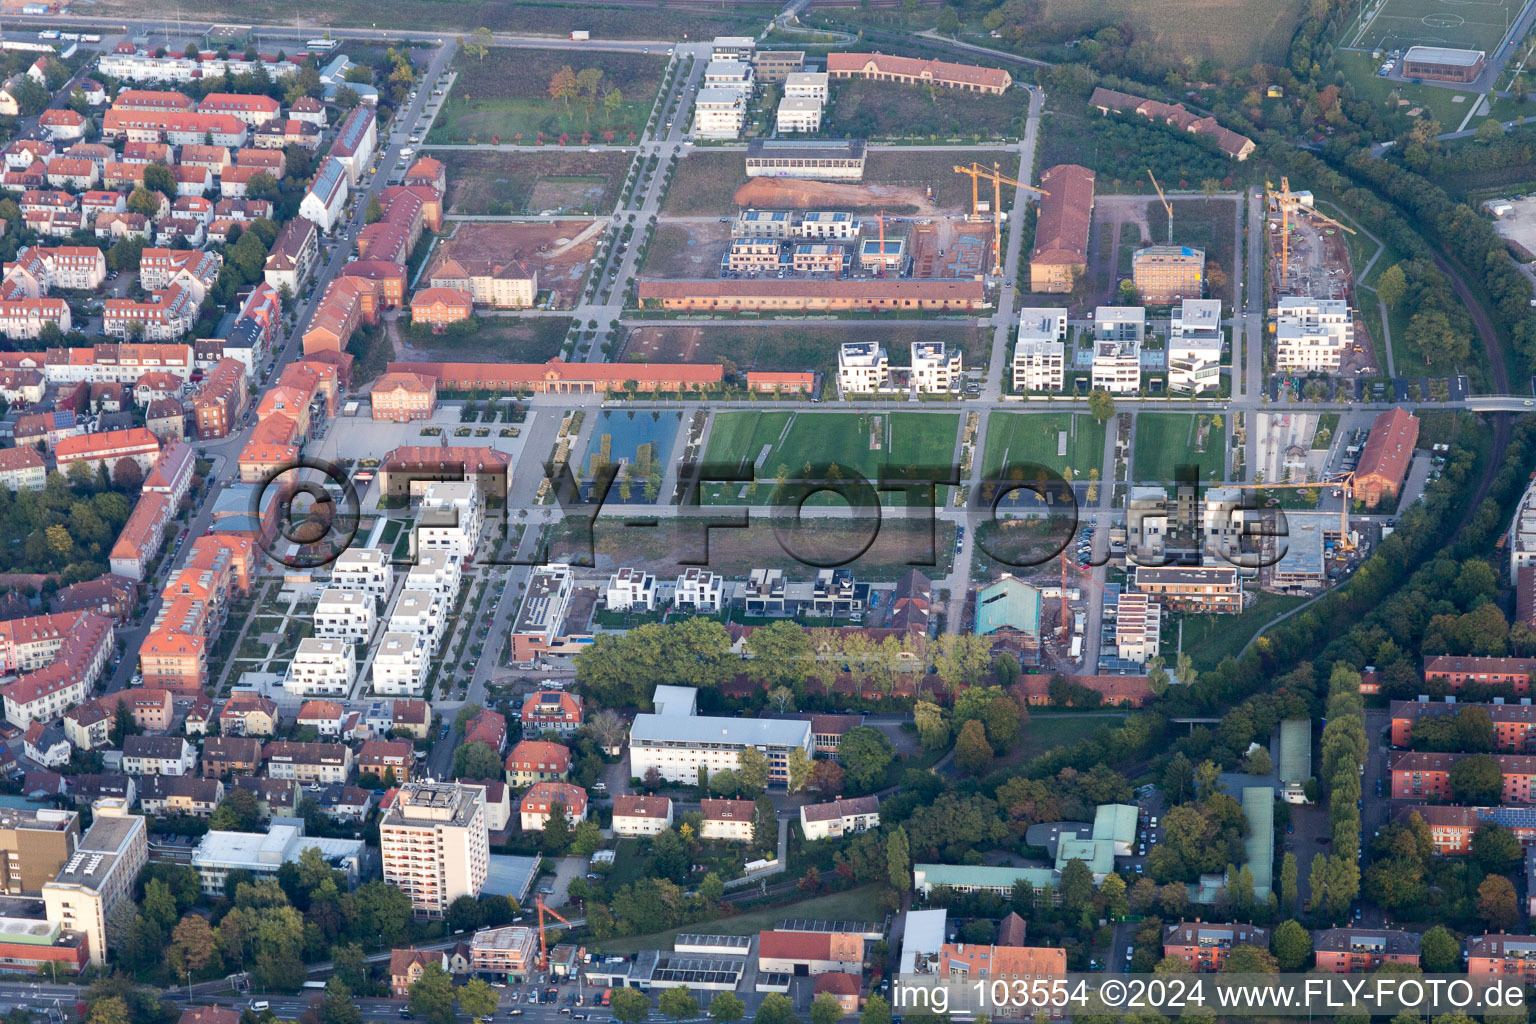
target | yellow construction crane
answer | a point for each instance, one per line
(1166, 204)
(1286, 203)
(1343, 481)
(976, 173)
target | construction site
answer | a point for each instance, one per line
(788, 228)
(1309, 256)
(559, 250)
(1308, 252)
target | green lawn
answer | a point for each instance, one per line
(506, 94)
(882, 110)
(1047, 731)
(1032, 437)
(852, 905)
(1210, 638)
(1438, 103)
(856, 444)
(1165, 440)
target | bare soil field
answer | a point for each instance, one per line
(793, 194)
(501, 183)
(687, 249)
(500, 339)
(561, 251)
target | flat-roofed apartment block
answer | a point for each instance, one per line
(1194, 346)
(1443, 63)
(811, 85)
(733, 48)
(434, 844)
(37, 844)
(1138, 628)
(1312, 334)
(1300, 566)
(699, 590)
(630, 589)
(935, 369)
(1201, 589)
(321, 667)
(1164, 273)
(419, 613)
(1060, 253)
(1039, 355)
(798, 114)
(400, 665)
(679, 744)
(735, 75)
(367, 570)
(1522, 533)
(719, 113)
(435, 571)
(344, 615)
(748, 255)
(1118, 334)
(862, 367)
(826, 224)
(755, 224)
(776, 65)
(830, 159)
(509, 951)
(819, 258)
(451, 518)
(541, 617)
(99, 875)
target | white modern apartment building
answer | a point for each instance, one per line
(1194, 346)
(1118, 334)
(1039, 356)
(862, 367)
(1138, 628)
(677, 743)
(437, 571)
(434, 844)
(736, 48)
(830, 225)
(344, 615)
(400, 665)
(798, 114)
(810, 85)
(99, 875)
(1522, 534)
(935, 369)
(631, 590)
(699, 590)
(734, 75)
(321, 667)
(719, 113)
(419, 613)
(363, 569)
(1312, 334)
(451, 518)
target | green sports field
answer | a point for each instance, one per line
(1033, 437)
(1463, 24)
(856, 444)
(1165, 440)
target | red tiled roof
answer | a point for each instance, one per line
(1061, 233)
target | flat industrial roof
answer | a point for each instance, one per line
(691, 729)
(1444, 55)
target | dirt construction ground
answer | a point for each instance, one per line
(561, 251)
(788, 194)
